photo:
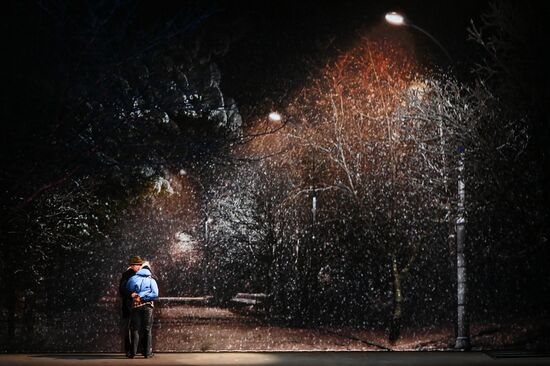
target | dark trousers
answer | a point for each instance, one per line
(125, 333)
(141, 321)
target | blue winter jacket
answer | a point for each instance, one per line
(144, 285)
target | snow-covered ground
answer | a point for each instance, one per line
(203, 328)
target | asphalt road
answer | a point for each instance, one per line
(276, 358)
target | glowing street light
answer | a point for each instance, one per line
(275, 117)
(398, 20)
(395, 18)
(463, 328)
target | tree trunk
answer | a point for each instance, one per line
(395, 325)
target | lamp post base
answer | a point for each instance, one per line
(463, 343)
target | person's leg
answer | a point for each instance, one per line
(125, 333)
(148, 330)
(135, 326)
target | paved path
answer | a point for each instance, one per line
(274, 358)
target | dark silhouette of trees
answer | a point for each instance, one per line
(109, 103)
(516, 197)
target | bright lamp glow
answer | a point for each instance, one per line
(275, 117)
(395, 18)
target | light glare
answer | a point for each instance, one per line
(275, 117)
(395, 18)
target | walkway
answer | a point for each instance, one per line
(275, 358)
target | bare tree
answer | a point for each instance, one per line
(352, 157)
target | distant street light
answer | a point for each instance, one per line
(307, 252)
(463, 327)
(275, 117)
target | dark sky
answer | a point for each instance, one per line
(270, 36)
(272, 40)
(277, 37)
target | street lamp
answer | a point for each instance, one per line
(398, 20)
(275, 117)
(308, 251)
(463, 327)
(394, 18)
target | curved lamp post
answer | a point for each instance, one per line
(277, 117)
(463, 327)
(397, 19)
(307, 264)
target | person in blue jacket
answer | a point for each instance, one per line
(134, 266)
(144, 290)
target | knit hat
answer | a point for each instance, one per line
(136, 261)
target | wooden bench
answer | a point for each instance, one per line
(249, 298)
(196, 300)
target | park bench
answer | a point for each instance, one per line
(253, 299)
(191, 300)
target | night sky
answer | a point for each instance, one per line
(270, 40)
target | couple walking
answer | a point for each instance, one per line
(138, 289)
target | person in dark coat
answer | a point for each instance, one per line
(135, 265)
(144, 290)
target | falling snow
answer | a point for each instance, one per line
(327, 225)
